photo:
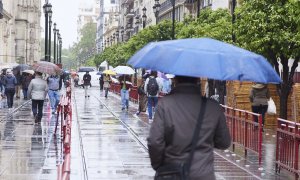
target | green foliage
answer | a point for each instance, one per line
(215, 24)
(271, 28)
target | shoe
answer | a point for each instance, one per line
(123, 108)
(150, 121)
(53, 112)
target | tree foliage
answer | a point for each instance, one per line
(271, 28)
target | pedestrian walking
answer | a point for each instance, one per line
(259, 96)
(76, 80)
(19, 83)
(106, 84)
(37, 91)
(142, 97)
(10, 83)
(152, 89)
(2, 75)
(171, 138)
(54, 85)
(25, 81)
(101, 82)
(86, 82)
(125, 88)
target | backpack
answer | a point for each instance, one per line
(152, 87)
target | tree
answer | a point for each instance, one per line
(271, 28)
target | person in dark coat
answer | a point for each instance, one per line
(173, 127)
(86, 82)
(101, 81)
(25, 81)
(10, 83)
(259, 96)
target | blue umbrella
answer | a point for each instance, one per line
(205, 57)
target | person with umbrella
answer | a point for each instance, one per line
(152, 89)
(2, 75)
(125, 88)
(25, 81)
(10, 83)
(37, 92)
(106, 84)
(54, 84)
(86, 82)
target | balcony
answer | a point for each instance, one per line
(129, 13)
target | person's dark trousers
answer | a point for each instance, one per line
(37, 109)
(10, 97)
(262, 109)
(25, 92)
(106, 92)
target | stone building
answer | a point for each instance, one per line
(20, 32)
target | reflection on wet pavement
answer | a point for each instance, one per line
(26, 149)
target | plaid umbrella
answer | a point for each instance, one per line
(47, 67)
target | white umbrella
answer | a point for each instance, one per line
(124, 70)
(28, 71)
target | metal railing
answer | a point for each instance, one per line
(287, 146)
(245, 131)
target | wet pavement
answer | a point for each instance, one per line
(107, 143)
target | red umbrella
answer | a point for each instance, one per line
(47, 67)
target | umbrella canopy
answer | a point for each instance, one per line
(99, 73)
(86, 69)
(29, 71)
(47, 67)
(109, 72)
(22, 67)
(124, 70)
(205, 57)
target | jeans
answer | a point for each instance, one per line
(10, 97)
(54, 97)
(37, 108)
(25, 92)
(262, 109)
(124, 98)
(152, 102)
(85, 90)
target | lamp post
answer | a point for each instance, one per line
(122, 33)
(47, 8)
(104, 43)
(57, 45)
(60, 48)
(117, 35)
(173, 19)
(233, 19)
(54, 43)
(156, 8)
(144, 17)
(111, 40)
(50, 24)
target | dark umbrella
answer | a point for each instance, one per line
(86, 69)
(22, 67)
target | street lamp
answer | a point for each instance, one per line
(54, 43)
(60, 48)
(58, 37)
(156, 8)
(117, 35)
(122, 33)
(233, 19)
(144, 17)
(50, 24)
(173, 19)
(47, 8)
(104, 43)
(111, 40)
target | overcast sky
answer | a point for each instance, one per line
(65, 14)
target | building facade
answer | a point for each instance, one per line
(20, 32)
(89, 11)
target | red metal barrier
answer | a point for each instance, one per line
(287, 146)
(245, 132)
(64, 114)
(133, 94)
